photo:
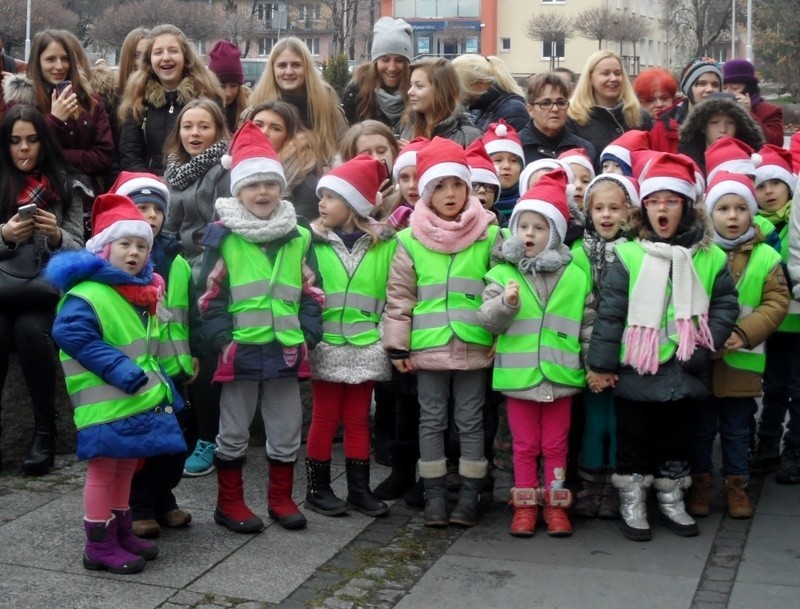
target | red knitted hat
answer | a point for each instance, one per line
(225, 60)
(252, 159)
(440, 159)
(729, 154)
(502, 137)
(727, 183)
(776, 164)
(114, 217)
(408, 155)
(547, 197)
(667, 171)
(357, 182)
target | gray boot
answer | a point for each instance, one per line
(587, 504)
(633, 505)
(669, 493)
(433, 479)
(467, 509)
(503, 481)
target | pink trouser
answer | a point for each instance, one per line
(108, 486)
(538, 428)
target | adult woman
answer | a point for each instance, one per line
(280, 122)
(490, 92)
(604, 104)
(434, 106)
(379, 89)
(290, 76)
(656, 89)
(739, 79)
(34, 171)
(544, 135)
(170, 75)
(224, 59)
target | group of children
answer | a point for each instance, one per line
(623, 288)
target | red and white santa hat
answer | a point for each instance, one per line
(252, 159)
(630, 186)
(441, 158)
(502, 137)
(620, 149)
(481, 166)
(549, 164)
(549, 198)
(142, 188)
(356, 182)
(577, 156)
(776, 164)
(729, 154)
(727, 183)
(408, 155)
(115, 216)
(667, 171)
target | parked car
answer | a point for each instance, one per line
(253, 67)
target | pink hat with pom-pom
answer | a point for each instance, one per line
(252, 159)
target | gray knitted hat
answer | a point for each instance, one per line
(391, 37)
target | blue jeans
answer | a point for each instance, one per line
(781, 385)
(731, 417)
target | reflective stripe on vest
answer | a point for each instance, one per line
(707, 262)
(265, 298)
(449, 288)
(353, 304)
(790, 323)
(751, 288)
(96, 401)
(541, 344)
(175, 354)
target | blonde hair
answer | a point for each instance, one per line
(474, 69)
(362, 224)
(173, 146)
(446, 95)
(127, 57)
(322, 100)
(582, 100)
(349, 147)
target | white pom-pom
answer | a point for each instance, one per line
(226, 161)
(501, 131)
(570, 190)
(756, 158)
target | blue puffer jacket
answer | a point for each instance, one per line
(78, 333)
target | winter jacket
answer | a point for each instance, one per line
(605, 125)
(254, 362)
(496, 104)
(754, 328)
(536, 145)
(78, 332)
(191, 210)
(692, 140)
(674, 380)
(457, 127)
(497, 316)
(304, 197)
(770, 119)
(349, 363)
(793, 257)
(350, 101)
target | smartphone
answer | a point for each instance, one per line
(26, 211)
(62, 85)
(388, 172)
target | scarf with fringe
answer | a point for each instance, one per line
(450, 236)
(244, 223)
(648, 302)
(182, 175)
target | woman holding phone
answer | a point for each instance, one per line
(41, 207)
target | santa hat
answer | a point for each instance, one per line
(115, 216)
(538, 165)
(440, 159)
(630, 186)
(481, 166)
(619, 151)
(729, 154)
(142, 188)
(252, 159)
(502, 137)
(667, 171)
(577, 156)
(776, 164)
(727, 183)
(547, 197)
(408, 155)
(356, 182)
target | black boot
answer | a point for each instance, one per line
(319, 495)
(767, 455)
(359, 495)
(435, 514)
(41, 453)
(789, 470)
(415, 497)
(404, 472)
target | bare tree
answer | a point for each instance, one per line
(44, 14)
(552, 27)
(240, 25)
(702, 21)
(344, 16)
(599, 23)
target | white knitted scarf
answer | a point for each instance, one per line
(241, 221)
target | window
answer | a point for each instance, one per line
(308, 12)
(264, 12)
(265, 45)
(312, 44)
(505, 44)
(553, 47)
(554, 1)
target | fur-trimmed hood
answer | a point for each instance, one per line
(18, 88)
(155, 94)
(747, 129)
(102, 82)
(702, 221)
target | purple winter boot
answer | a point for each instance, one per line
(104, 552)
(130, 542)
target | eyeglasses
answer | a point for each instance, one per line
(546, 104)
(670, 203)
(476, 186)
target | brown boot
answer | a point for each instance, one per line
(698, 500)
(735, 492)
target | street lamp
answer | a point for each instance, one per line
(28, 32)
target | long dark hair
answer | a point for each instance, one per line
(50, 164)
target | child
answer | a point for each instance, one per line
(260, 312)
(582, 170)
(224, 59)
(404, 172)
(432, 327)
(505, 149)
(540, 305)
(354, 259)
(485, 184)
(124, 404)
(610, 199)
(536, 169)
(736, 376)
(775, 186)
(666, 303)
(616, 157)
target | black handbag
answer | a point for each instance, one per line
(21, 281)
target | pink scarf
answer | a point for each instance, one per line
(450, 236)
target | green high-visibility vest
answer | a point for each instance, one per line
(449, 288)
(707, 262)
(95, 401)
(751, 288)
(176, 357)
(265, 297)
(353, 304)
(580, 258)
(790, 323)
(542, 342)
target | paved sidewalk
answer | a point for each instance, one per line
(356, 561)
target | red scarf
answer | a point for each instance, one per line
(36, 189)
(148, 296)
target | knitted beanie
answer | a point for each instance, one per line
(739, 70)
(115, 216)
(251, 159)
(391, 37)
(700, 66)
(142, 188)
(440, 159)
(776, 164)
(726, 183)
(224, 59)
(356, 182)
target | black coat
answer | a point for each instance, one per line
(536, 145)
(496, 104)
(606, 125)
